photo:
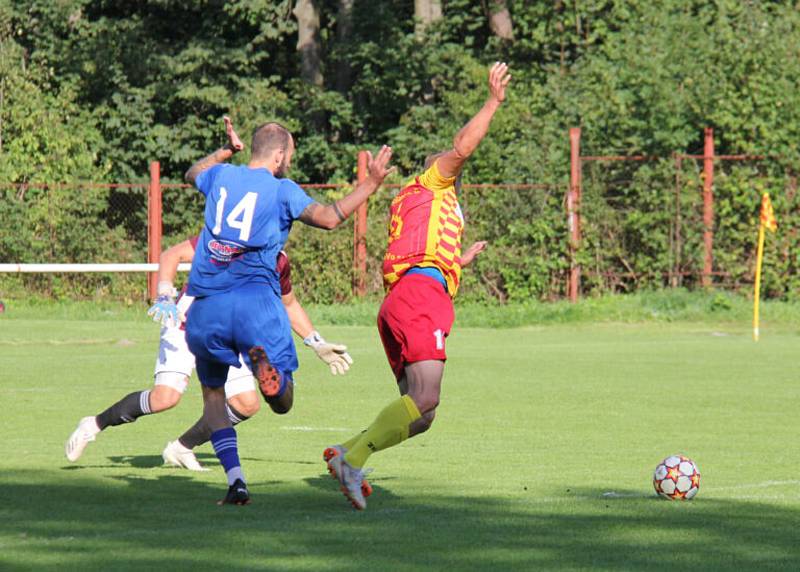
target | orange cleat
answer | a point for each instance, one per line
(269, 380)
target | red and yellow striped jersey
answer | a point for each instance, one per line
(425, 227)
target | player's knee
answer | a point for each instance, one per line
(426, 402)
(163, 397)
(247, 403)
(426, 420)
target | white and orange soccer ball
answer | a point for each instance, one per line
(677, 478)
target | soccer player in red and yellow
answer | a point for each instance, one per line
(421, 270)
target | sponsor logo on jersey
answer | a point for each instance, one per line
(224, 251)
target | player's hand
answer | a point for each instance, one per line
(378, 166)
(335, 355)
(498, 80)
(234, 142)
(164, 311)
(469, 255)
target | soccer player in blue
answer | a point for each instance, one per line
(237, 310)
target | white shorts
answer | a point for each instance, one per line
(175, 363)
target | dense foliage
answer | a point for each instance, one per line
(93, 90)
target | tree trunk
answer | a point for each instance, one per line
(427, 12)
(308, 41)
(344, 28)
(500, 19)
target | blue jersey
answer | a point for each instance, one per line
(248, 216)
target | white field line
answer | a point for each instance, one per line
(145, 267)
(311, 429)
(762, 485)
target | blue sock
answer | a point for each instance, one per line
(224, 442)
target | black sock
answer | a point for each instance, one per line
(200, 432)
(126, 410)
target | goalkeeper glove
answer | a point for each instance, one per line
(335, 355)
(164, 311)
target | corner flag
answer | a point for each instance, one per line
(767, 214)
(767, 220)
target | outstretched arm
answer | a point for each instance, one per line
(468, 138)
(469, 255)
(335, 355)
(233, 146)
(299, 320)
(331, 216)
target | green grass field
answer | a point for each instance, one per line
(541, 456)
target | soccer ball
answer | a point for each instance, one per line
(677, 478)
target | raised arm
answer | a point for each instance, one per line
(469, 137)
(329, 217)
(335, 355)
(233, 146)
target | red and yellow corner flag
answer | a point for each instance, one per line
(767, 220)
(767, 214)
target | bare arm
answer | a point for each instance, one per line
(301, 323)
(470, 136)
(169, 260)
(335, 355)
(233, 146)
(329, 217)
(469, 255)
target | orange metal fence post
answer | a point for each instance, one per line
(360, 235)
(573, 212)
(154, 224)
(708, 206)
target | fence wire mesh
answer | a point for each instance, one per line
(641, 225)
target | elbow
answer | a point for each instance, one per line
(460, 148)
(331, 220)
(189, 176)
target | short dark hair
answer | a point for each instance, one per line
(269, 137)
(431, 159)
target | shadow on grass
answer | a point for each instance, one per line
(170, 521)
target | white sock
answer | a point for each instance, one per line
(233, 474)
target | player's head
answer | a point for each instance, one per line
(273, 145)
(431, 159)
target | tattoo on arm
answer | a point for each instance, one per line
(339, 212)
(219, 156)
(307, 216)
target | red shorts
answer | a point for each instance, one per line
(414, 320)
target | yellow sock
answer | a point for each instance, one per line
(353, 440)
(389, 428)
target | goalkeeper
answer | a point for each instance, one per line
(175, 363)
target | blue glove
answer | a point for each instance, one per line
(164, 311)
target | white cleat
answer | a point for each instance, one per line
(177, 455)
(87, 431)
(334, 450)
(350, 478)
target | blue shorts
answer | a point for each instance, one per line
(221, 327)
